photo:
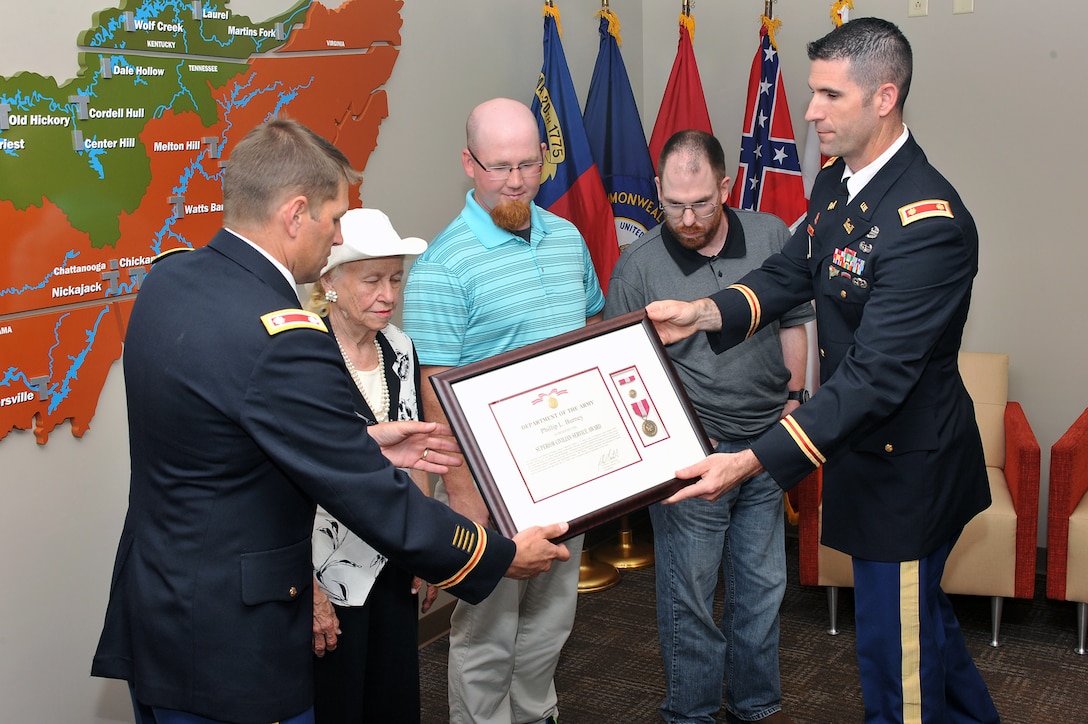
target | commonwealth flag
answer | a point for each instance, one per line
(617, 139)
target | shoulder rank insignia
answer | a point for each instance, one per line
(924, 210)
(169, 252)
(281, 321)
(830, 161)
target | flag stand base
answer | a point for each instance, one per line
(595, 576)
(627, 554)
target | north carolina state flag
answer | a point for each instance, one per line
(683, 105)
(571, 185)
(769, 177)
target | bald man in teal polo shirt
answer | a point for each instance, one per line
(505, 273)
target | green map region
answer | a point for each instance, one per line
(104, 171)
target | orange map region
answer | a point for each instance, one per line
(64, 303)
(353, 25)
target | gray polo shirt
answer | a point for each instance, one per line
(737, 394)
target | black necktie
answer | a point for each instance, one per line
(844, 190)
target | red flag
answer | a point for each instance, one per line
(769, 177)
(684, 105)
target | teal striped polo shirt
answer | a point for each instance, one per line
(478, 290)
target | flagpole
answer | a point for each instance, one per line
(768, 8)
(626, 553)
(592, 575)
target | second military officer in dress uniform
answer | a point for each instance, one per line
(240, 418)
(889, 253)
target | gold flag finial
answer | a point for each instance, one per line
(837, 8)
(551, 10)
(773, 24)
(613, 22)
(687, 19)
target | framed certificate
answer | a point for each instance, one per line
(583, 427)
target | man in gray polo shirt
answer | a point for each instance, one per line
(705, 246)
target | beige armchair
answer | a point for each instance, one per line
(1067, 524)
(995, 555)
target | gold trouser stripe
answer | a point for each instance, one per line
(910, 640)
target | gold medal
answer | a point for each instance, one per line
(553, 403)
(631, 393)
(649, 428)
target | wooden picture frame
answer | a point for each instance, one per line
(583, 427)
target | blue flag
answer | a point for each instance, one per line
(571, 185)
(617, 140)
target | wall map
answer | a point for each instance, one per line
(100, 173)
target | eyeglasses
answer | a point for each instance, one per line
(528, 170)
(701, 209)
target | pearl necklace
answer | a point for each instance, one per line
(380, 410)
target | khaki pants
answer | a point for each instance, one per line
(504, 650)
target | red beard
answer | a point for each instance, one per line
(511, 215)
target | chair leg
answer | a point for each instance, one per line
(996, 605)
(1082, 628)
(833, 609)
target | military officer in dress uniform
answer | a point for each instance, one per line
(889, 253)
(239, 420)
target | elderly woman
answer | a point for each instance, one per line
(370, 672)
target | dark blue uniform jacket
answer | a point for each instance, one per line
(240, 418)
(892, 424)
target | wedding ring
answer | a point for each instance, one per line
(425, 451)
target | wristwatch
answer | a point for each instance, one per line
(799, 395)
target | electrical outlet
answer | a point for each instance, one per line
(959, 7)
(917, 8)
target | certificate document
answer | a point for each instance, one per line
(583, 427)
(565, 434)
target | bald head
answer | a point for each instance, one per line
(503, 158)
(500, 121)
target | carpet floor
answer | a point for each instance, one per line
(610, 670)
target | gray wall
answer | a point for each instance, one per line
(996, 95)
